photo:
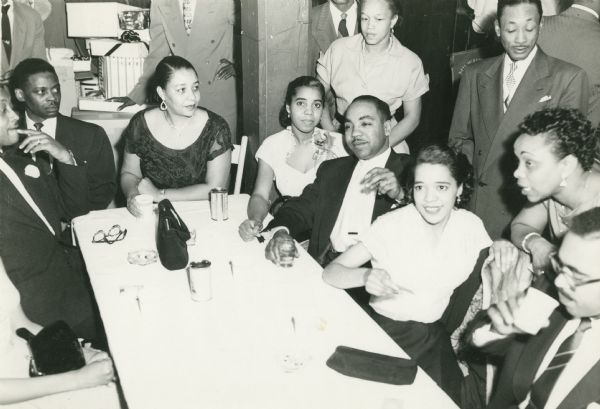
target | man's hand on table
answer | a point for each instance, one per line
(250, 229)
(278, 246)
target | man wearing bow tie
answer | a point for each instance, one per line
(559, 367)
(493, 98)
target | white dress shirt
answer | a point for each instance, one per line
(48, 128)
(584, 358)
(520, 70)
(351, 17)
(357, 208)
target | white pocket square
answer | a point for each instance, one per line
(593, 406)
(545, 98)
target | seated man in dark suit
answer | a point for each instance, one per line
(48, 274)
(559, 366)
(348, 193)
(34, 84)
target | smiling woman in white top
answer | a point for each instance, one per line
(288, 160)
(420, 254)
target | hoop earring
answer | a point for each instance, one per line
(563, 182)
(163, 105)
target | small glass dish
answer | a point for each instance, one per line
(142, 257)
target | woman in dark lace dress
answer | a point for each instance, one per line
(178, 150)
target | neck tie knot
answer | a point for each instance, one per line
(5, 8)
(342, 28)
(38, 126)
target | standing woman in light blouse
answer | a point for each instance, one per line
(375, 63)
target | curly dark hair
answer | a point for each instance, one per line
(457, 163)
(569, 132)
(292, 90)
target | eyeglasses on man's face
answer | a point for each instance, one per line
(115, 233)
(569, 273)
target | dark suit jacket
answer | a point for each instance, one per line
(48, 274)
(322, 33)
(482, 131)
(94, 156)
(522, 361)
(27, 37)
(317, 208)
(574, 36)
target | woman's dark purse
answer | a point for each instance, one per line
(171, 237)
(55, 349)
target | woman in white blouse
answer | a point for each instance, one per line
(288, 160)
(420, 254)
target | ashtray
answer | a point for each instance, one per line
(142, 257)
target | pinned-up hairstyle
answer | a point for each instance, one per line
(163, 74)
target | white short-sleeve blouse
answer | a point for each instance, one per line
(399, 244)
(275, 150)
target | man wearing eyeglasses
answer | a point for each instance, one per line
(559, 367)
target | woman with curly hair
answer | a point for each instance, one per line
(420, 254)
(556, 151)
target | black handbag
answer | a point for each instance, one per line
(55, 349)
(372, 366)
(171, 237)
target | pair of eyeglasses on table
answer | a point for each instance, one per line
(114, 234)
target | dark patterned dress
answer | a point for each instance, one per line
(169, 168)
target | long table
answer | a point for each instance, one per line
(261, 341)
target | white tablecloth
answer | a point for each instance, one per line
(234, 350)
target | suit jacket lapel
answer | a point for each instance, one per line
(173, 23)
(489, 89)
(533, 353)
(585, 392)
(531, 88)
(324, 31)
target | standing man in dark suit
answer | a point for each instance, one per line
(559, 367)
(35, 86)
(22, 35)
(574, 36)
(493, 98)
(348, 193)
(328, 22)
